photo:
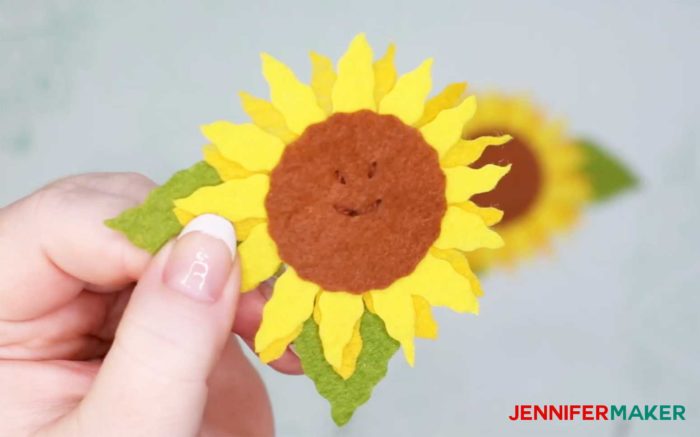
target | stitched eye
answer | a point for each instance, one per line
(372, 170)
(340, 177)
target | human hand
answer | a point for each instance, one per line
(83, 352)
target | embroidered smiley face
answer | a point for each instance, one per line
(356, 201)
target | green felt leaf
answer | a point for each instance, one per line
(608, 176)
(151, 224)
(346, 395)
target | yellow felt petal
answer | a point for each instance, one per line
(465, 231)
(226, 169)
(339, 313)
(466, 152)
(236, 200)
(449, 97)
(444, 132)
(266, 117)
(351, 353)
(245, 227)
(245, 144)
(296, 101)
(459, 262)
(289, 307)
(354, 87)
(259, 258)
(426, 326)
(279, 346)
(322, 80)
(183, 216)
(490, 215)
(437, 282)
(407, 99)
(369, 304)
(395, 306)
(464, 182)
(384, 74)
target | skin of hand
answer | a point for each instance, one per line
(99, 338)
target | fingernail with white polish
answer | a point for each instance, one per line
(200, 262)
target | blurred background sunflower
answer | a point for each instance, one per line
(547, 187)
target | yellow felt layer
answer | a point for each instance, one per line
(446, 129)
(289, 307)
(259, 258)
(395, 306)
(459, 262)
(277, 347)
(226, 169)
(426, 326)
(236, 200)
(490, 215)
(464, 182)
(339, 313)
(245, 144)
(245, 227)
(354, 87)
(466, 152)
(351, 353)
(322, 80)
(384, 74)
(369, 304)
(449, 97)
(465, 231)
(441, 285)
(183, 216)
(407, 99)
(296, 101)
(266, 117)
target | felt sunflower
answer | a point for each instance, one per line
(547, 187)
(355, 191)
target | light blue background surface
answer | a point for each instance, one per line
(611, 317)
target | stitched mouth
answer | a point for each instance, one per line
(354, 212)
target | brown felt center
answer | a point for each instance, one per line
(517, 190)
(356, 201)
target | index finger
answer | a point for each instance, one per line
(54, 243)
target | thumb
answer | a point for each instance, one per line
(154, 379)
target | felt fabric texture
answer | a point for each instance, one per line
(259, 258)
(517, 191)
(295, 100)
(322, 79)
(406, 100)
(608, 176)
(354, 88)
(227, 169)
(346, 395)
(451, 96)
(151, 224)
(426, 326)
(356, 202)
(464, 182)
(266, 117)
(439, 283)
(465, 231)
(339, 313)
(385, 74)
(234, 141)
(465, 152)
(291, 304)
(446, 129)
(395, 306)
(235, 199)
